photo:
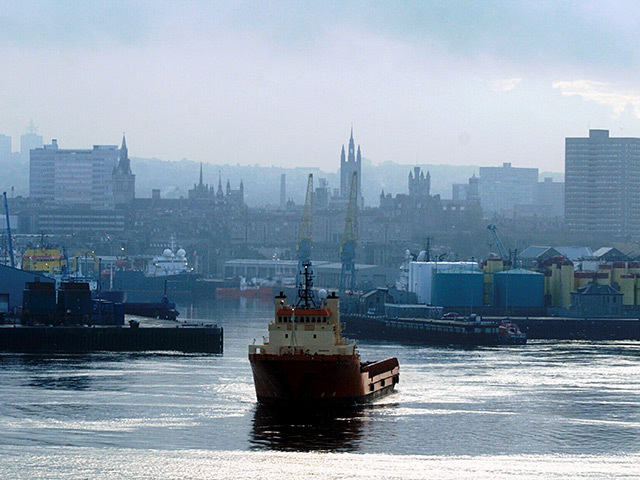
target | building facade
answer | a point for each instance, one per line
(602, 185)
(502, 188)
(99, 178)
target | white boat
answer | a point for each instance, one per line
(170, 263)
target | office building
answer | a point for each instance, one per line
(99, 178)
(502, 188)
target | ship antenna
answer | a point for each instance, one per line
(305, 292)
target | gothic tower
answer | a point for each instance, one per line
(123, 179)
(348, 166)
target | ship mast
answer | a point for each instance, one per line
(305, 293)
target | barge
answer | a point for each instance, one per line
(449, 330)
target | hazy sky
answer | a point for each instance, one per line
(281, 83)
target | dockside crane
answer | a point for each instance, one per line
(305, 234)
(504, 254)
(9, 242)
(349, 239)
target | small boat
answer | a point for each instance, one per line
(509, 334)
(306, 360)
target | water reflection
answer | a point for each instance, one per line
(75, 382)
(339, 430)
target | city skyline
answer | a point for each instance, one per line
(282, 83)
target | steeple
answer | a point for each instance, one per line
(342, 155)
(124, 164)
(358, 156)
(352, 148)
(219, 193)
(201, 182)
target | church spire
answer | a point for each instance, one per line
(201, 182)
(219, 193)
(124, 165)
(352, 148)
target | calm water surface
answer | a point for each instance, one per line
(546, 410)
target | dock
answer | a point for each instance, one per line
(569, 328)
(188, 338)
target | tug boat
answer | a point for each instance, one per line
(306, 360)
(510, 334)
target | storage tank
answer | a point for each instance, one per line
(421, 276)
(518, 288)
(458, 289)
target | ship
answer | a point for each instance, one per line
(253, 289)
(168, 272)
(306, 360)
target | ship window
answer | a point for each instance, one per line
(286, 335)
(371, 387)
(315, 336)
(382, 383)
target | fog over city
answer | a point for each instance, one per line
(281, 83)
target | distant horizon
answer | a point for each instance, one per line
(366, 160)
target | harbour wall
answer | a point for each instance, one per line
(37, 339)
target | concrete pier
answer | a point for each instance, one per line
(43, 339)
(564, 328)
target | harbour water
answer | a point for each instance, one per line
(549, 409)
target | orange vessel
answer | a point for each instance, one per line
(307, 360)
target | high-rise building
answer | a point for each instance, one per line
(5, 147)
(502, 188)
(29, 141)
(602, 185)
(99, 178)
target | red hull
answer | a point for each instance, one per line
(332, 379)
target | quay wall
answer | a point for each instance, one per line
(36, 339)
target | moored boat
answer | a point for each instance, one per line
(509, 334)
(307, 360)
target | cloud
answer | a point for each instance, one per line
(603, 94)
(506, 84)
